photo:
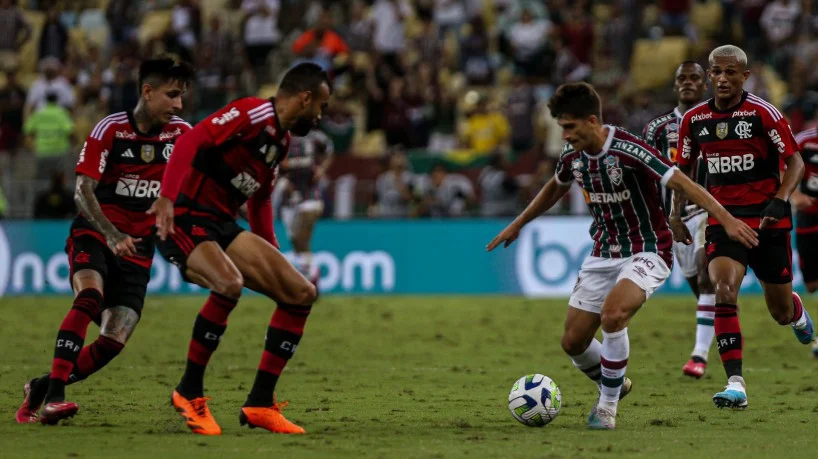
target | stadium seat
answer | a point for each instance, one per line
(370, 144)
(654, 61)
(29, 53)
(154, 25)
(706, 17)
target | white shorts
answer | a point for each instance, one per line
(288, 213)
(686, 254)
(597, 277)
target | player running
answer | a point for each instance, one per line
(805, 200)
(743, 138)
(631, 257)
(662, 133)
(226, 160)
(110, 245)
(307, 162)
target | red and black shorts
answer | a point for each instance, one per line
(190, 231)
(770, 260)
(125, 279)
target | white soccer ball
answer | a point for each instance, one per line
(535, 400)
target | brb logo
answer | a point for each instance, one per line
(135, 188)
(548, 256)
(728, 164)
(245, 183)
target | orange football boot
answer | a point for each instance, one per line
(270, 418)
(196, 413)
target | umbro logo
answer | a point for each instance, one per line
(128, 154)
(704, 132)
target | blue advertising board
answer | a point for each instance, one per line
(366, 257)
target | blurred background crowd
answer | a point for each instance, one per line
(439, 107)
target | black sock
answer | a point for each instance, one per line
(698, 359)
(192, 383)
(56, 391)
(262, 392)
(732, 368)
(39, 387)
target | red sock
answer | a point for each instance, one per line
(728, 338)
(71, 336)
(95, 356)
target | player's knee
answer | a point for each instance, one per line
(725, 292)
(573, 344)
(306, 295)
(230, 286)
(613, 318)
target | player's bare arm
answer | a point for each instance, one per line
(735, 228)
(677, 226)
(120, 243)
(779, 207)
(549, 195)
(162, 209)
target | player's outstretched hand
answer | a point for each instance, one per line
(507, 236)
(162, 208)
(741, 232)
(123, 245)
(680, 231)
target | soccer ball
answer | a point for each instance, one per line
(535, 400)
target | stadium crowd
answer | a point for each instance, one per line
(439, 107)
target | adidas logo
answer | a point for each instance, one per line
(128, 153)
(704, 132)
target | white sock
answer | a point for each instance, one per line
(589, 361)
(303, 261)
(615, 351)
(705, 331)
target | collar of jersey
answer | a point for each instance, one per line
(155, 130)
(279, 130)
(679, 115)
(606, 145)
(712, 104)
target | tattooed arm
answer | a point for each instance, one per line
(121, 244)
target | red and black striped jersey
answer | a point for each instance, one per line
(808, 145)
(742, 148)
(246, 145)
(128, 164)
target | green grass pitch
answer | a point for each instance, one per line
(413, 377)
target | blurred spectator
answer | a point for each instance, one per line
(12, 100)
(567, 68)
(94, 79)
(358, 34)
(728, 15)
(211, 85)
(395, 117)
(389, 17)
(321, 44)
(779, 22)
(674, 16)
(449, 15)
(474, 54)
(57, 202)
(50, 129)
(486, 130)
(261, 33)
(52, 81)
(528, 39)
(446, 194)
(420, 112)
(641, 112)
(607, 73)
(499, 191)
(520, 112)
(757, 83)
(578, 33)
(123, 20)
(15, 28)
(444, 135)
(124, 91)
(394, 190)
(427, 43)
(339, 125)
(222, 45)
(54, 37)
(617, 36)
(801, 104)
(806, 52)
(185, 29)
